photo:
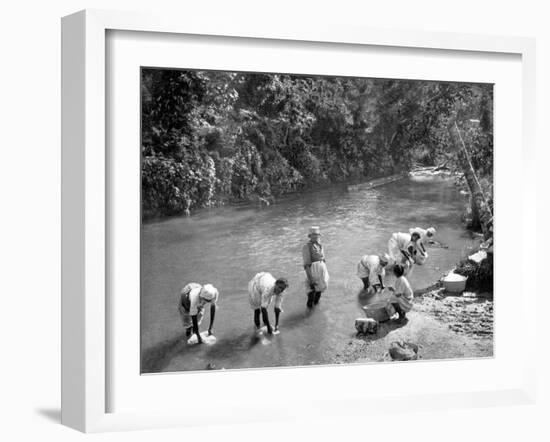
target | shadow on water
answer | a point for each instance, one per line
(238, 346)
(235, 351)
(235, 348)
(158, 357)
(155, 359)
(297, 318)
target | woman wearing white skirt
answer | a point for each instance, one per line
(315, 267)
(262, 289)
(193, 301)
(402, 297)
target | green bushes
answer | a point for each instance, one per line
(171, 187)
(480, 276)
(213, 137)
(280, 176)
(247, 164)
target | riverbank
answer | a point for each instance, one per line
(371, 184)
(442, 325)
(254, 200)
(227, 246)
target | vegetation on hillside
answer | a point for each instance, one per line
(209, 138)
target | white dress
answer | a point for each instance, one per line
(260, 291)
(404, 289)
(369, 267)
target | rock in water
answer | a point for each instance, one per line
(403, 351)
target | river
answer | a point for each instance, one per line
(227, 246)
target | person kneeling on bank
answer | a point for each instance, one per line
(262, 289)
(371, 270)
(193, 300)
(402, 295)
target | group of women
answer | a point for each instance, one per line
(404, 250)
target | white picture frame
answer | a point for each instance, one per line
(85, 216)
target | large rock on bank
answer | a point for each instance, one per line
(403, 351)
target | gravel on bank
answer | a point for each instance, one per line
(444, 326)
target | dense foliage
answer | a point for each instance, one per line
(480, 275)
(213, 137)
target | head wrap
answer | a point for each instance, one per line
(209, 292)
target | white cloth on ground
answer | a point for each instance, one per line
(209, 340)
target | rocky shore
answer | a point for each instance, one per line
(441, 326)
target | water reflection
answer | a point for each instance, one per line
(227, 246)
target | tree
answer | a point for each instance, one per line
(213, 137)
(481, 212)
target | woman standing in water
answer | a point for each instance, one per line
(371, 270)
(426, 236)
(193, 301)
(403, 248)
(262, 289)
(315, 267)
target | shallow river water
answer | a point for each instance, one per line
(227, 246)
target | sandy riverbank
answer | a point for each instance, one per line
(443, 326)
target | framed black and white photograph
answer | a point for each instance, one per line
(257, 213)
(284, 210)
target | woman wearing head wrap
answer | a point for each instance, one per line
(426, 235)
(193, 300)
(262, 289)
(315, 267)
(402, 297)
(371, 270)
(404, 249)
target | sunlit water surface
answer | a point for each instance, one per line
(227, 246)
